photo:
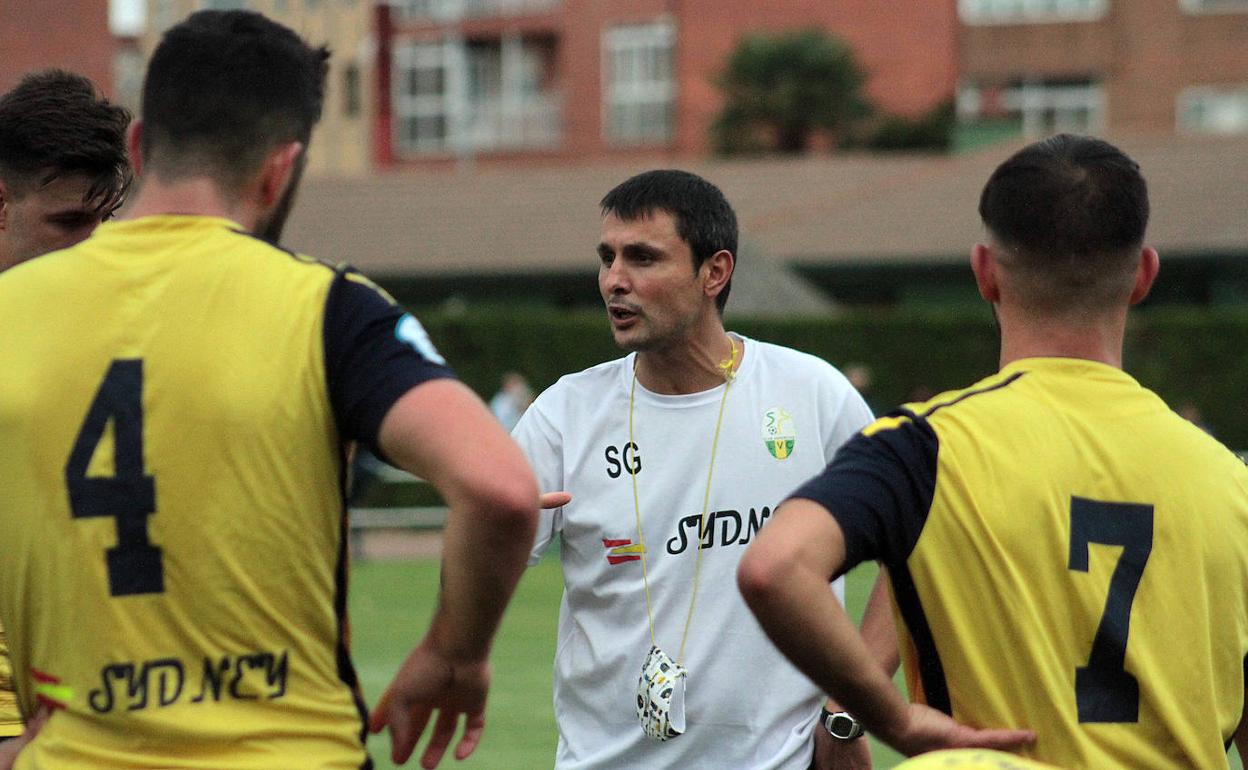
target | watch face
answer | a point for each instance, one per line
(842, 726)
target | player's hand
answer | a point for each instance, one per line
(11, 748)
(831, 754)
(554, 499)
(428, 682)
(927, 729)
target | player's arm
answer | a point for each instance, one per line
(879, 628)
(11, 747)
(492, 498)
(871, 503)
(783, 577)
(391, 389)
(493, 507)
(1241, 733)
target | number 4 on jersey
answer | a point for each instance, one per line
(129, 495)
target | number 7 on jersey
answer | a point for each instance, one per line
(1104, 690)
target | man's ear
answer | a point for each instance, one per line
(1145, 273)
(984, 265)
(277, 170)
(718, 271)
(134, 146)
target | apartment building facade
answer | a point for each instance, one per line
(422, 83)
(593, 79)
(1118, 66)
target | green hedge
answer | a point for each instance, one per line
(1187, 356)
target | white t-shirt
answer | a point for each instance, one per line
(786, 414)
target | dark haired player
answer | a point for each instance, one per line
(1068, 554)
(697, 430)
(63, 170)
(176, 394)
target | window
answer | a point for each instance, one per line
(351, 97)
(1213, 110)
(429, 10)
(1037, 107)
(1029, 11)
(128, 67)
(420, 99)
(225, 5)
(1214, 6)
(639, 91)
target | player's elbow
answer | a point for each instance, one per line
(508, 502)
(761, 576)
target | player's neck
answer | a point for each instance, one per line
(691, 366)
(1092, 339)
(197, 196)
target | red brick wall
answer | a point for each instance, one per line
(908, 47)
(1145, 51)
(72, 34)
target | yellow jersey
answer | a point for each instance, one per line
(971, 759)
(1067, 555)
(10, 715)
(173, 410)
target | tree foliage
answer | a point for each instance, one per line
(782, 91)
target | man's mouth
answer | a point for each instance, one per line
(621, 315)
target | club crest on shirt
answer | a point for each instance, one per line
(779, 435)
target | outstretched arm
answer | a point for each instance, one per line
(493, 508)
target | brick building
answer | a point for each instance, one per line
(72, 34)
(1137, 66)
(590, 79)
(420, 83)
(415, 83)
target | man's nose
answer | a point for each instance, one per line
(617, 280)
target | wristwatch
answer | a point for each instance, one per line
(840, 725)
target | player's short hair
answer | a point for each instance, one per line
(1069, 214)
(704, 218)
(223, 89)
(54, 123)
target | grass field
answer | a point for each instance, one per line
(391, 603)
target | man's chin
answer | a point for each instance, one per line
(628, 340)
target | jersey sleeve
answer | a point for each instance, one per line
(541, 444)
(374, 353)
(879, 488)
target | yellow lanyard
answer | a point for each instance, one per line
(729, 374)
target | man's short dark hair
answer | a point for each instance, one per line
(53, 124)
(223, 89)
(704, 218)
(1071, 211)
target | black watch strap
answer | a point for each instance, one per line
(840, 725)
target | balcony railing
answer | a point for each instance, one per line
(455, 10)
(532, 122)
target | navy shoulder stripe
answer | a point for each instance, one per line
(986, 389)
